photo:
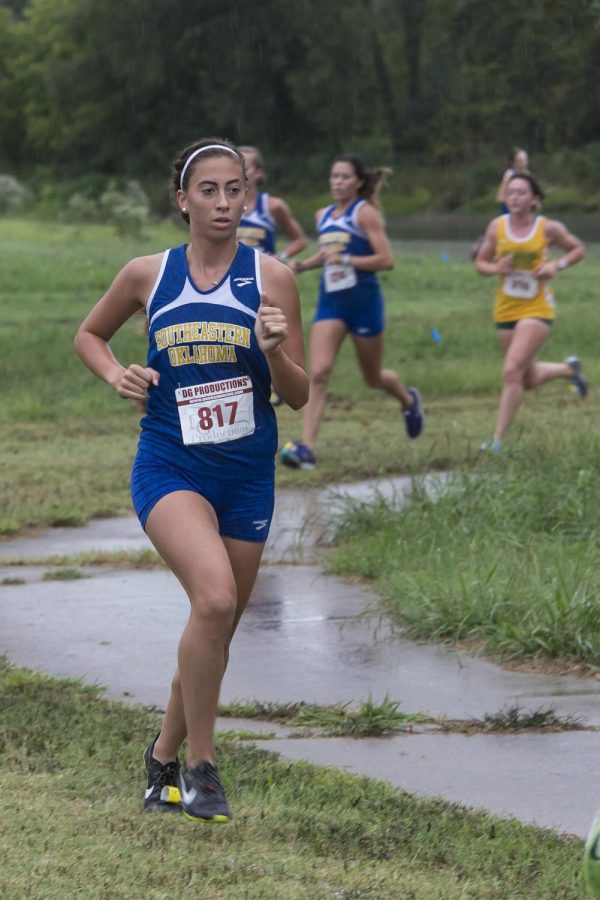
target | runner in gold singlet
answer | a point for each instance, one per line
(516, 248)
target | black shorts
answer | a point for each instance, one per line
(508, 326)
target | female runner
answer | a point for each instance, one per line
(517, 162)
(353, 248)
(263, 216)
(515, 248)
(224, 323)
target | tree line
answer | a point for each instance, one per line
(117, 86)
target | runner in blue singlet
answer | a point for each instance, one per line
(264, 216)
(353, 248)
(223, 324)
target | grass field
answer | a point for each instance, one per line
(72, 827)
(66, 441)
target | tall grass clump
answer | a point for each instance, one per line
(505, 553)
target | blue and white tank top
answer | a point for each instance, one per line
(257, 229)
(212, 406)
(346, 236)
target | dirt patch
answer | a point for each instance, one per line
(573, 667)
(535, 665)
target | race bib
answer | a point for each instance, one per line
(216, 411)
(339, 278)
(521, 285)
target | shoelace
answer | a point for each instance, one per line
(166, 775)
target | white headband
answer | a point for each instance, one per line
(201, 150)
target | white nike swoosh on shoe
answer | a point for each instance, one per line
(148, 791)
(188, 796)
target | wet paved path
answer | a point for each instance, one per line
(302, 638)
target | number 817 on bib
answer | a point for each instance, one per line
(216, 411)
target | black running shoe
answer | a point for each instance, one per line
(162, 793)
(414, 418)
(202, 794)
(297, 456)
(580, 384)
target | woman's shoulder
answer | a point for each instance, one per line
(274, 203)
(322, 212)
(277, 207)
(143, 269)
(552, 227)
(151, 262)
(367, 213)
(494, 226)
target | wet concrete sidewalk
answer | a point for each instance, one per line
(303, 638)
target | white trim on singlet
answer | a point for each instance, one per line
(189, 295)
(528, 236)
(266, 212)
(260, 216)
(322, 216)
(345, 222)
(257, 256)
(156, 283)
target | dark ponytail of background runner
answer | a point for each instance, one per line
(373, 180)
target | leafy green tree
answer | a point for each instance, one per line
(116, 86)
(519, 74)
(113, 86)
(11, 131)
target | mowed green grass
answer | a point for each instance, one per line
(67, 442)
(72, 826)
(504, 555)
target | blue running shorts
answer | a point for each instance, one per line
(360, 307)
(244, 509)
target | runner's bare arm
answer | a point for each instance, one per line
(559, 236)
(126, 296)
(500, 193)
(382, 258)
(313, 262)
(485, 261)
(290, 227)
(279, 333)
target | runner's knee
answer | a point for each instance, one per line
(373, 379)
(513, 373)
(215, 609)
(320, 375)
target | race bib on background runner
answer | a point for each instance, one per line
(521, 285)
(216, 411)
(339, 277)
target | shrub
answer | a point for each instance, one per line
(81, 208)
(128, 208)
(13, 195)
(559, 199)
(418, 200)
(585, 164)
